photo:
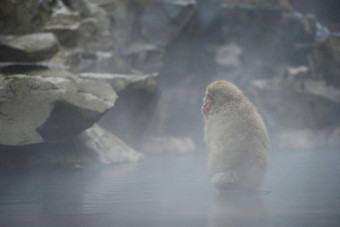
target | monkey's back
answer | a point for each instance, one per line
(237, 140)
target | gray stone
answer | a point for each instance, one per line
(327, 59)
(65, 25)
(18, 17)
(258, 3)
(297, 104)
(95, 31)
(106, 147)
(32, 47)
(81, 6)
(79, 60)
(68, 36)
(133, 111)
(95, 146)
(32, 68)
(43, 108)
(144, 57)
(119, 82)
(158, 145)
(124, 18)
(91, 32)
(308, 139)
(162, 20)
(300, 113)
(228, 56)
(261, 32)
(297, 72)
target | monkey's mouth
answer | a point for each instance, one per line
(208, 101)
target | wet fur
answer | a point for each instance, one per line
(236, 138)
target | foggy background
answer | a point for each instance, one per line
(100, 110)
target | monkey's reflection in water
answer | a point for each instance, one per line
(238, 208)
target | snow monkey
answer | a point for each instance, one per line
(236, 138)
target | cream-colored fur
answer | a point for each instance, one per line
(236, 138)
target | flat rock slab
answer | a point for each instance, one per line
(31, 47)
(36, 109)
(106, 147)
(119, 82)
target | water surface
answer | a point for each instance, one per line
(174, 190)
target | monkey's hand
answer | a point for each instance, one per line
(225, 179)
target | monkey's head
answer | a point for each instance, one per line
(220, 95)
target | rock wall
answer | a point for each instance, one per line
(158, 56)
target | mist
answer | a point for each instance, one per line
(100, 110)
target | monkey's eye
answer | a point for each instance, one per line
(210, 96)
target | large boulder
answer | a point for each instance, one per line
(130, 118)
(32, 47)
(162, 21)
(300, 113)
(91, 32)
(253, 39)
(327, 59)
(45, 108)
(18, 17)
(144, 58)
(94, 146)
(309, 104)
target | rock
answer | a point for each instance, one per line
(79, 60)
(45, 155)
(144, 58)
(120, 82)
(17, 17)
(228, 62)
(133, 111)
(61, 15)
(68, 36)
(66, 25)
(81, 6)
(106, 147)
(297, 72)
(178, 112)
(327, 60)
(297, 104)
(92, 37)
(34, 68)
(158, 145)
(32, 47)
(124, 19)
(267, 35)
(91, 32)
(259, 3)
(308, 139)
(92, 147)
(300, 113)
(162, 21)
(228, 56)
(44, 108)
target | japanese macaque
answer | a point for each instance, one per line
(236, 138)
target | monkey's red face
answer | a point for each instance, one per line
(207, 102)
